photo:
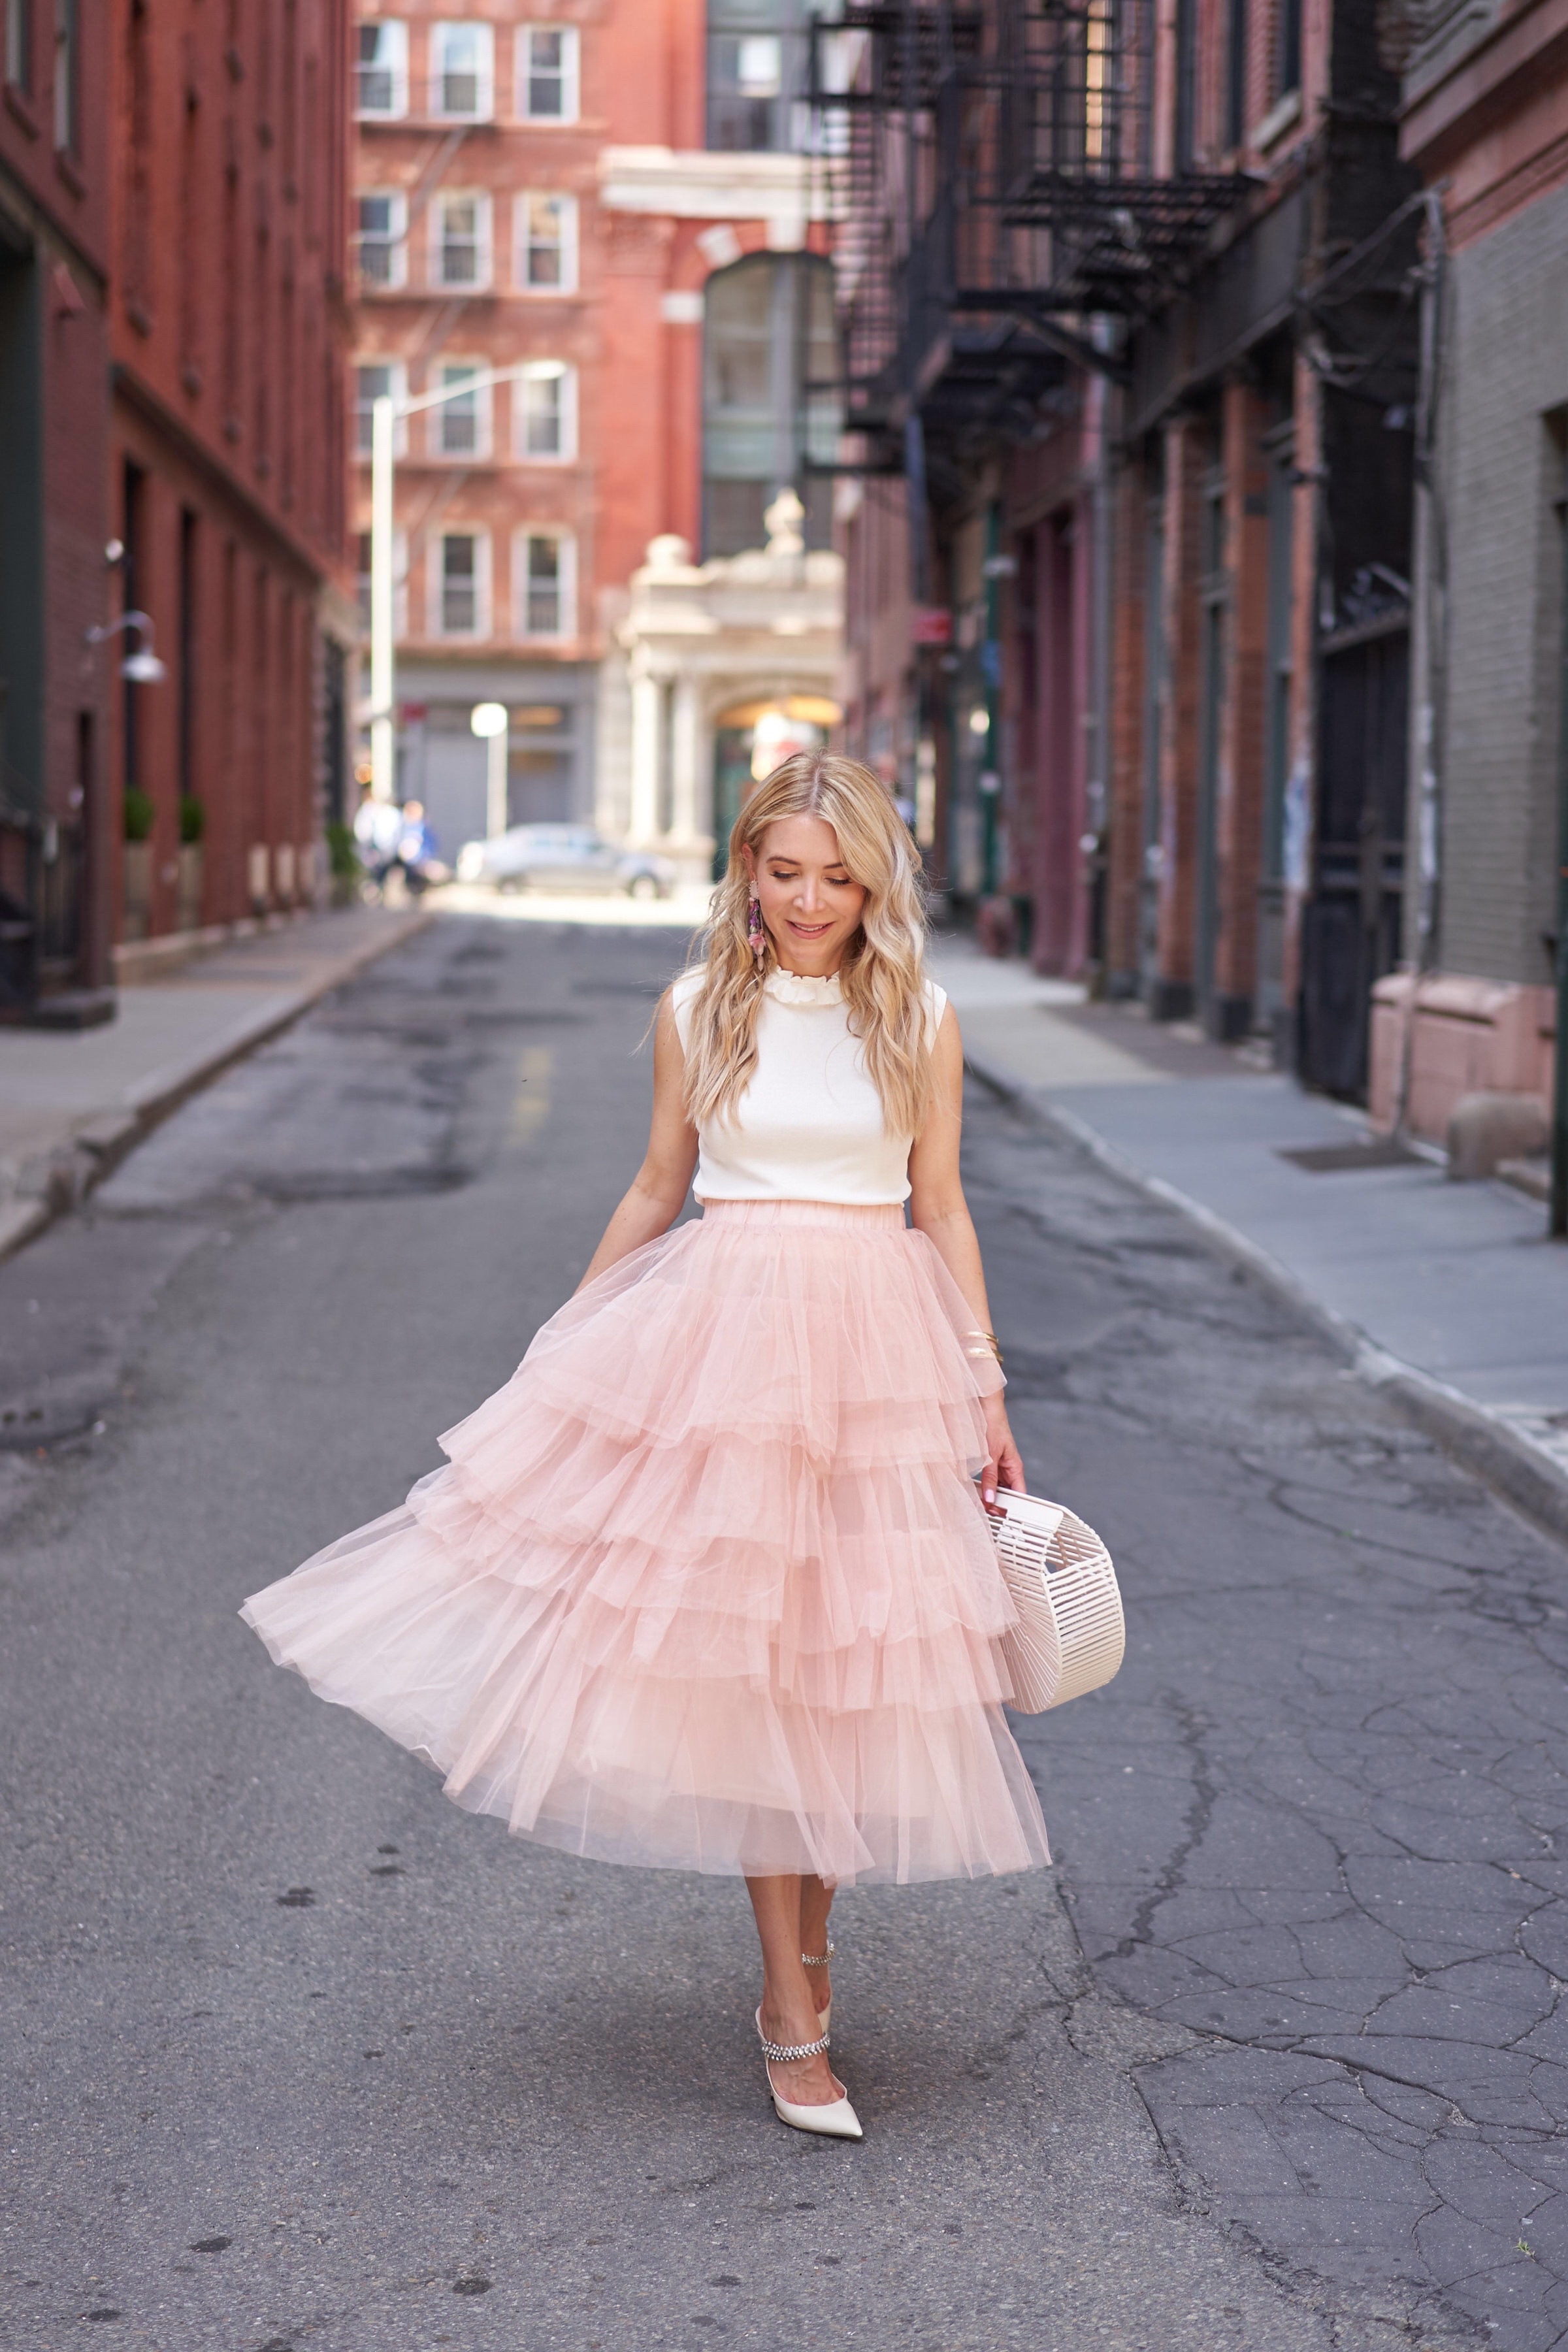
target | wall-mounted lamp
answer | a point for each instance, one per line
(142, 667)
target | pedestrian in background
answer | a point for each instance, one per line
(706, 1586)
(418, 851)
(378, 829)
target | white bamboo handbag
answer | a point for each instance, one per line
(1069, 1636)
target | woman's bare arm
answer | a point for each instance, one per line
(658, 1189)
(939, 1210)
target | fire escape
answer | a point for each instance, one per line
(998, 189)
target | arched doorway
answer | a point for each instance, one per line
(770, 336)
(750, 738)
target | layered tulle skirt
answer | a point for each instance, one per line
(706, 1585)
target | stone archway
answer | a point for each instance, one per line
(763, 629)
(746, 746)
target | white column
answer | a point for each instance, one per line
(382, 738)
(648, 698)
(683, 761)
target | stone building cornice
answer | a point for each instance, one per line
(694, 184)
(1476, 63)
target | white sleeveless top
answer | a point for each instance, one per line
(809, 1126)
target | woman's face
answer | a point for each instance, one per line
(809, 904)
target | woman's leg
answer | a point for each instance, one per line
(789, 2012)
(816, 1903)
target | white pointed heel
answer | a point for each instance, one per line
(834, 2120)
(820, 1960)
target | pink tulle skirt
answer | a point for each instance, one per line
(706, 1585)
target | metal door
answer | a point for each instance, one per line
(1350, 933)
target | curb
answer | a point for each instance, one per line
(1481, 1441)
(102, 1142)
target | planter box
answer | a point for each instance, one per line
(188, 888)
(136, 919)
(1464, 1036)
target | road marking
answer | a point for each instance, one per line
(531, 1107)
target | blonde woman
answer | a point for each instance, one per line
(707, 1585)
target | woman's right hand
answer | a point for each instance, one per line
(1003, 1463)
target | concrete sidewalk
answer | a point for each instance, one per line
(72, 1103)
(1448, 1294)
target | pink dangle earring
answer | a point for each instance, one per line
(756, 935)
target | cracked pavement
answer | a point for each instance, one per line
(1312, 1831)
(297, 2057)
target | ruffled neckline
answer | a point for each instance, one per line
(796, 988)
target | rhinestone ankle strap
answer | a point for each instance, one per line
(818, 1959)
(779, 2054)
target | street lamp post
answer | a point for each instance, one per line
(385, 414)
(490, 721)
(383, 429)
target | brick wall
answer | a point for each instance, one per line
(231, 137)
(1124, 952)
(76, 593)
(1238, 812)
(230, 340)
(1505, 375)
(1188, 455)
(54, 205)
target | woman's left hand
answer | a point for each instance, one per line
(1003, 1465)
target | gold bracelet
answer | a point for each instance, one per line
(992, 1345)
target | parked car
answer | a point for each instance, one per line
(564, 858)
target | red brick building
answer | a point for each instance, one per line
(227, 459)
(1134, 387)
(57, 813)
(1486, 121)
(597, 199)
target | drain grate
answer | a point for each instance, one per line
(1335, 1158)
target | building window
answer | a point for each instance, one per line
(543, 584)
(547, 74)
(1236, 73)
(375, 380)
(380, 71)
(460, 427)
(547, 410)
(547, 243)
(1184, 97)
(770, 341)
(382, 237)
(1287, 62)
(19, 45)
(462, 559)
(462, 79)
(758, 72)
(68, 69)
(462, 239)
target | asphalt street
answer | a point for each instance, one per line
(298, 2057)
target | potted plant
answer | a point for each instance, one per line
(193, 825)
(138, 866)
(343, 864)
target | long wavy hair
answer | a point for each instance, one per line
(881, 974)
